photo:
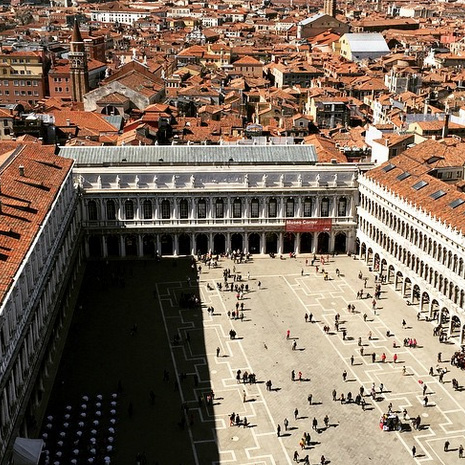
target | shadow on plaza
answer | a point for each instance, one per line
(121, 348)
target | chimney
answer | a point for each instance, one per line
(445, 128)
(68, 122)
(21, 170)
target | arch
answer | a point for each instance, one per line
(183, 209)
(110, 110)
(383, 265)
(416, 294)
(237, 209)
(399, 281)
(271, 242)
(407, 288)
(92, 214)
(323, 242)
(129, 210)
(363, 251)
(166, 244)
(340, 242)
(288, 242)
(148, 245)
(130, 245)
(147, 209)
(113, 246)
(111, 210)
(219, 208)
(455, 326)
(290, 207)
(184, 244)
(237, 242)
(166, 210)
(306, 242)
(391, 274)
(424, 300)
(219, 243)
(254, 243)
(369, 256)
(444, 316)
(434, 310)
(202, 209)
(342, 206)
(95, 246)
(201, 244)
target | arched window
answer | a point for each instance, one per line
(201, 209)
(254, 208)
(165, 209)
(219, 208)
(92, 210)
(183, 209)
(272, 208)
(147, 210)
(324, 209)
(111, 210)
(308, 207)
(237, 208)
(289, 208)
(342, 207)
(129, 209)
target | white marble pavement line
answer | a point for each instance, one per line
(270, 459)
(173, 359)
(344, 359)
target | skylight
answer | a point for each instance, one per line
(457, 202)
(403, 176)
(419, 185)
(437, 195)
(388, 168)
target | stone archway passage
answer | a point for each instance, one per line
(288, 242)
(219, 244)
(271, 245)
(95, 246)
(113, 246)
(201, 244)
(166, 241)
(237, 242)
(306, 242)
(184, 244)
(340, 243)
(323, 242)
(130, 244)
(254, 243)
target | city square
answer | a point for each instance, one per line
(141, 336)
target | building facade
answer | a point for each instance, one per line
(195, 199)
(39, 261)
(411, 232)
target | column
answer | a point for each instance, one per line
(122, 245)
(175, 244)
(316, 211)
(331, 241)
(86, 246)
(449, 330)
(263, 243)
(228, 241)
(246, 212)
(315, 242)
(281, 207)
(280, 243)
(104, 247)
(210, 241)
(140, 246)
(299, 208)
(193, 244)
(192, 208)
(175, 210)
(157, 244)
(297, 243)
(333, 200)
(138, 215)
(155, 208)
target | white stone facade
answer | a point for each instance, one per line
(421, 256)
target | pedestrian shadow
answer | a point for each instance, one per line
(301, 418)
(349, 338)
(292, 428)
(351, 380)
(275, 389)
(284, 435)
(316, 403)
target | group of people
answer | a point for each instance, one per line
(458, 359)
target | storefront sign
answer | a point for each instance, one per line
(309, 225)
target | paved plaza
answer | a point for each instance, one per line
(180, 424)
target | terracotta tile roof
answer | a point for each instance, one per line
(84, 120)
(25, 202)
(408, 188)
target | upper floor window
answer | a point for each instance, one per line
(324, 210)
(183, 209)
(342, 207)
(254, 208)
(219, 208)
(129, 209)
(147, 210)
(307, 207)
(165, 209)
(92, 210)
(111, 210)
(272, 208)
(237, 208)
(289, 208)
(202, 209)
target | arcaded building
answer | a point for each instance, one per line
(182, 200)
(411, 230)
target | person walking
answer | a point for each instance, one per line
(460, 451)
(425, 387)
(315, 424)
(309, 398)
(218, 350)
(296, 414)
(326, 421)
(278, 430)
(344, 375)
(425, 401)
(288, 334)
(394, 358)
(414, 451)
(352, 359)
(296, 456)
(334, 394)
(286, 424)
(293, 375)
(446, 446)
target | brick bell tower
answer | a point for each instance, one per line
(78, 65)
